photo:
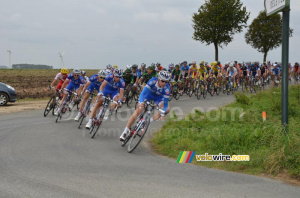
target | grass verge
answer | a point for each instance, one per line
(238, 129)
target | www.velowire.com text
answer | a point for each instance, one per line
(221, 157)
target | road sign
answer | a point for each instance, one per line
(274, 6)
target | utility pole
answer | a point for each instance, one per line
(9, 58)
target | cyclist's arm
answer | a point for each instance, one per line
(53, 83)
(103, 86)
(86, 85)
(65, 83)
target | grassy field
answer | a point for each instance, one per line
(238, 129)
(32, 83)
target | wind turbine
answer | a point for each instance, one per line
(62, 58)
(9, 58)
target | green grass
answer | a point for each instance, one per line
(270, 150)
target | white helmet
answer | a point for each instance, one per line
(102, 73)
(76, 71)
(109, 66)
(164, 75)
(231, 64)
(128, 66)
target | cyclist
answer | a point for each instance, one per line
(136, 75)
(157, 89)
(202, 73)
(61, 77)
(143, 68)
(276, 71)
(83, 74)
(215, 72)
(94, 83)
(110, 86)
(158, 67)
(109, 69)
(296, 69)
(74, 81)
(263, 71)
(176, 76)
(232, 72)
(244, 73)
(151, 73)
(171, 67)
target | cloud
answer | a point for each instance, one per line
(147, 17)
(175, 16)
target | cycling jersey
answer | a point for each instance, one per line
(158, 68)
(175, 74)
(202, 71)
(253, 70)
(231, 71)
(262, 70)
(244, 69)
(146, 77)
(112, 87)
(185, 70)
(135, 75)
(95, 83)
(75, 83)
(153, 92)
(296, 68)
(276, 70)
(193, 71)
(61, 79)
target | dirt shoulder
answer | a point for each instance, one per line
(23, 106)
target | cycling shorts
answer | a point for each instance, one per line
(92, 87)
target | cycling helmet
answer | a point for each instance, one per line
(115, 66)
(134, 66)
(102, 73)
(108, 71)
(171, 65)
(218, 63)
(158, 63)
(76, 71)
(128, 71)
(83, 72)
(143, 65)
(64, 71)
(108, 66)
(231, 64)
(193, 62)
(128, 66)
(164, 75)
(153, 64)
(151, 67)
(118, 72)
(202, 62)
(176, 66)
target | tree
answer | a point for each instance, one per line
(265, 33)
(217, 21)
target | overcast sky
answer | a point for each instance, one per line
(94, 33)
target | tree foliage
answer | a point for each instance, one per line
(31, 66)
(218, 20)
(265, 33)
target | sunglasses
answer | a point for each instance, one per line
(101, 77)
(164, 81)
(76, 75)
(117, 76)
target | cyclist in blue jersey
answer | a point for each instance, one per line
(136, 75)
(253, 70)
(74, 81)
(158, 90)
(171, 67)
(110, 86)
(94, 83)
(276, 72)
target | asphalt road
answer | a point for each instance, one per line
(41, 158)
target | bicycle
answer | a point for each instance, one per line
(140, 127)
(201, 90)
(100, 115)
(174, 91)
(53, 103)
(86, 109)
(65, 106)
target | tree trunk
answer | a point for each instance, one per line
(265, 56)
(216, 52)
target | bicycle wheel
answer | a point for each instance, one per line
(198, 92)
(97, 124)
(138, 135)
(49, 106)
(60, 114)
